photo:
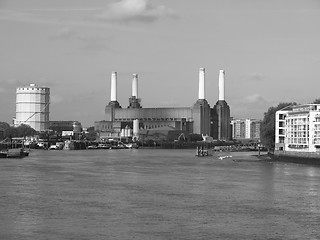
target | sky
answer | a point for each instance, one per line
(269, 50)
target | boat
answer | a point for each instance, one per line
(13, 148)
(14, 153)
(92, 147)
(223, 157)
(57, 146)
(104, 146)
(132, 145)
(53, 147)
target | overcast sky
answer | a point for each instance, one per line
(270, 51)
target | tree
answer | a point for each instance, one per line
(91, 135)
(194, 137)
(267, 129)
(25, 130)
(316, 101)
(3, 129)
(20, 131)
(4, 125)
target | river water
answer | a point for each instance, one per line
(156, 194)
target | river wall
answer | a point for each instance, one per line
(297, 157)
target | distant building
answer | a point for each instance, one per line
(255, 127)
(246, 129)
(197, 119)
(65, 126)
(297, 128)
(32, 107)
(238, 129)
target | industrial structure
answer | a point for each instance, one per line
(32, 107)
(220, 114)
(197, 119)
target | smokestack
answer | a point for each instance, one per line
(221, 85)
(201, 83)
(135, 85)
(113, 97)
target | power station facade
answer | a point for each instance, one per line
(32, 107)
(200, 118)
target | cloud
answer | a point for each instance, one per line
(87, 43)
(255, 99)
(257, 77)
(250, 106)
(134, 10)
(93, 44)
(12, 83)
(55, 99)
(64, 34)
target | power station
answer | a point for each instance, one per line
(197, 119)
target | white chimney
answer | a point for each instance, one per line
(201, 83)
(135, 86)
(113, 96)
(221, 85)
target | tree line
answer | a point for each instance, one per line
(7, 131)
(23, 130)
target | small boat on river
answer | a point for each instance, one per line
(14, 153)
(13, 148)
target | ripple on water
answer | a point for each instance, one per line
(156, 194)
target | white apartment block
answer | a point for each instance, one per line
(297, 128)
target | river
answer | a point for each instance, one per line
(156, 194)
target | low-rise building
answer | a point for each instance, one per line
(65, 126)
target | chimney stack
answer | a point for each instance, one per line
(135, 85)
(113, 97)
(201, 83)
(221, 85)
